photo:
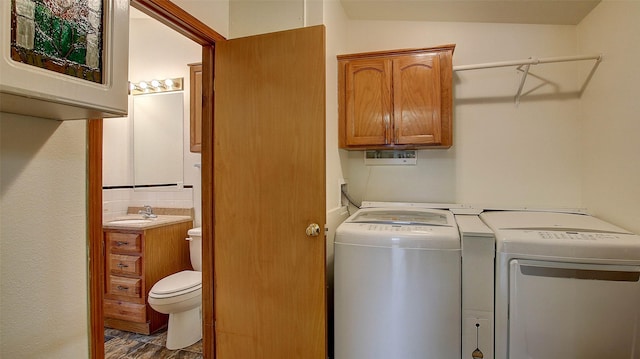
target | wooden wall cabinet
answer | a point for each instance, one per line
(134, 261)
(195, 104)
(396, 99)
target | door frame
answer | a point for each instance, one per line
(184, 23)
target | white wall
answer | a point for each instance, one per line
(502, 154)
(335, 22)
(43, 238)
(609, 113)
(155, 52)
(258, 17)
(214, 13)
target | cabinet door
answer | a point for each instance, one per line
(417, 99)
(368, 102)
(195, 107)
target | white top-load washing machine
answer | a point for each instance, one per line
(567, 286)
(397, 286)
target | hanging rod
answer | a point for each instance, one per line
(531, 61)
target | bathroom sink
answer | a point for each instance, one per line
(130, 221)
(138, 222)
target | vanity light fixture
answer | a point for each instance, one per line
(155, 86)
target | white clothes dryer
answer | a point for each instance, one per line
(567, 286)
(397, 285)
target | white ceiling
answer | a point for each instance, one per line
(557, 12)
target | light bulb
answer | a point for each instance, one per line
(155, 83)
(143, 85)
(168, 82)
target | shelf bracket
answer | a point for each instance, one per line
(525, 72)
(590, 75)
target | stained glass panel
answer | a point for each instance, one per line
(65, 36)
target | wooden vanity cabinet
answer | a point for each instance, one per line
(396, 99)
(195, 104)
(134, 261)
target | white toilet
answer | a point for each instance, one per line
(180, 296)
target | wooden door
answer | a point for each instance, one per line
(416, 99)
(368, 102)
(269, 184)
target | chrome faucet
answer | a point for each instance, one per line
(147, 212)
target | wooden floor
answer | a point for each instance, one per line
(124, 345)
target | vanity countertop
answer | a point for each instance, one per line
(138, 222)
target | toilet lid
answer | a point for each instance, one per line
(178, 282)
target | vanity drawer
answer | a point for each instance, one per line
(126, 242)
(123, 286)
(125, 264)
(124, 310)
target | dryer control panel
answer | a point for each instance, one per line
(590, 236)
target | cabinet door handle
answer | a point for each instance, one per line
(122, 265)
(121, 243)
(121, 287)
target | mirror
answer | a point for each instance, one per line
(158, 140)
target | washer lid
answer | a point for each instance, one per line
(401, 216)
(178, 282)
(410, 228)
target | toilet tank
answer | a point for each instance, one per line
(195, 248)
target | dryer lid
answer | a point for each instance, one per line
(560, 235)
(178, 282)
(547, 220)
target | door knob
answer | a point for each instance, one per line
(313, 230)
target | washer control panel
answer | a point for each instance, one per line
(398, 228)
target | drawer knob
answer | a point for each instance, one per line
(122, 265)
(121, 243)
(121, 287)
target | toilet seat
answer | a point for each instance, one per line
(178, 284)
